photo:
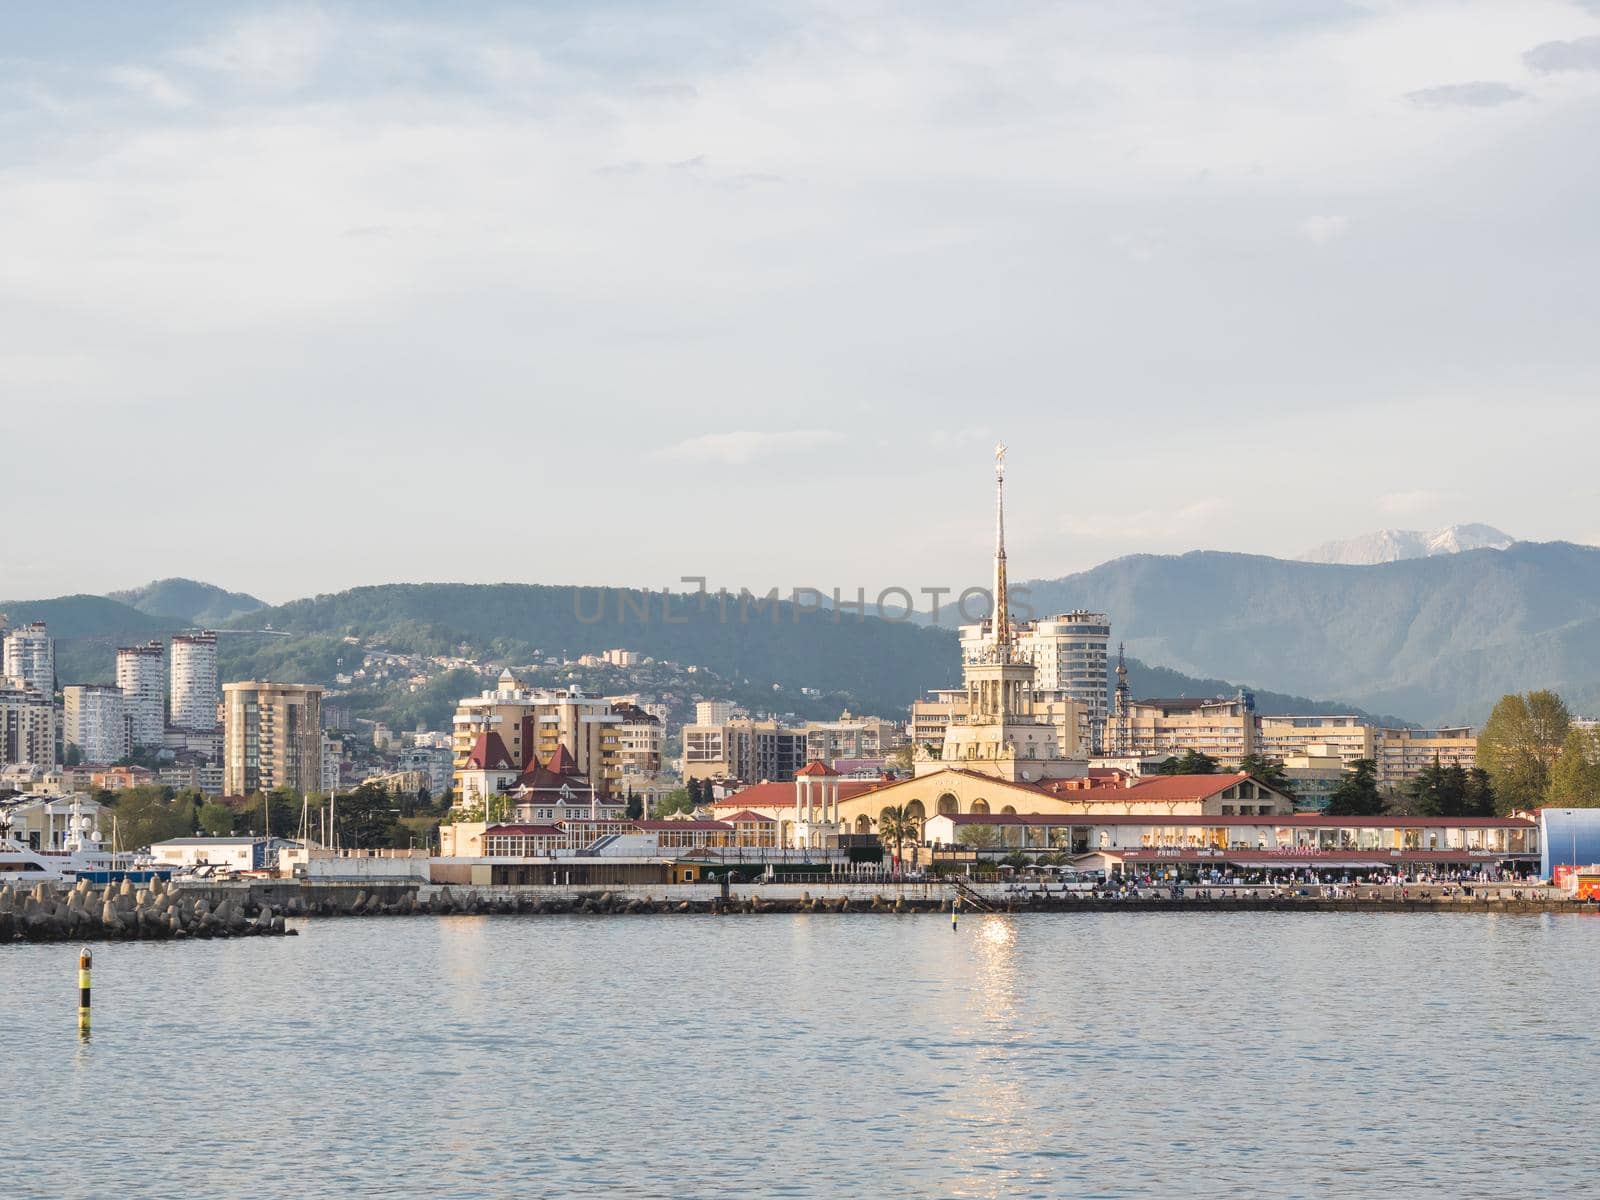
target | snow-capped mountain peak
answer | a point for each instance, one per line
(1391, 545)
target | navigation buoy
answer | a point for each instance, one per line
(84, 961)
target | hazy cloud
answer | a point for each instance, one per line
(1580, 54)
(1479, 94)
(386, 216)
(1322, 230)
(1146, 525)
(1414, 501)
(154, 86)
(746, 445)
(274, 51)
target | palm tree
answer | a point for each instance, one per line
(898, 825)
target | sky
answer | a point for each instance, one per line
(300, 297)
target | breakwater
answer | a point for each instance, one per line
(260, 907)
(122, 912)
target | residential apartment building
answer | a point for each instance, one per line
(141, 677)
(743, 749)
(29, 657)
(713, 712)
(1069, 652)
(1283, 737)
(193, 681)
(27, 726)
(1404, 753)
(851, 737)
(271, 737)
(641, 739)
(436, 763)
(1224, 729)
(95, 720)
(535, 723)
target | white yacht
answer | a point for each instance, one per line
(82, 856)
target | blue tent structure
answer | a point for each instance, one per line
(1568, 837)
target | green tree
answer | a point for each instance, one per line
(1519, 744)
(214, 820)
(1267, 771)
(1440, 791)
(1190, 762)
(675, 801)
(635, 808)
(367, 817)
(143, 816)
(1574, 776)
(903, 757)
(898, 825)
(281, 806)
(1357, 794)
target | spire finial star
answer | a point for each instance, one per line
(999, 458)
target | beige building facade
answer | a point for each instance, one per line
(1404, 753)
(535, 722)
(1283, 737)
(271, 737)
(1224, 729)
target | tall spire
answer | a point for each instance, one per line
(1000, 622)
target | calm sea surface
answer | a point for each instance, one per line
(1042, 1055)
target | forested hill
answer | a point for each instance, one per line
(884, 664)
(1439, 639)
(869, 665)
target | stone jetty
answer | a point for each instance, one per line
(123, 912)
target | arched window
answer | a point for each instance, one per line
(980, 805)
(949, 804)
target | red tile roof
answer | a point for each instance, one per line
(814, 767)
(1293, 820)
(523, 830)
(1181, 787)
(489, 754)
(561, 763)
(747, 816)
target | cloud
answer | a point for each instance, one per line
(746, 445)
(1580, 54)
(1324, 229)
(154, 86)
(275, 51)
(1149, 524)
(1478, 94)
(967, 436)
(1417, 500)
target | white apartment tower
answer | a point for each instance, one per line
(29, 657)
(140, 671)
(96, 722)
(195, 693)
(1069, 654)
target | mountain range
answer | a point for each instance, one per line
(819, 666)
(1436, 639)
(1392, 545)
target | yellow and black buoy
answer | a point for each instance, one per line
(955, 912)
(83, 990)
